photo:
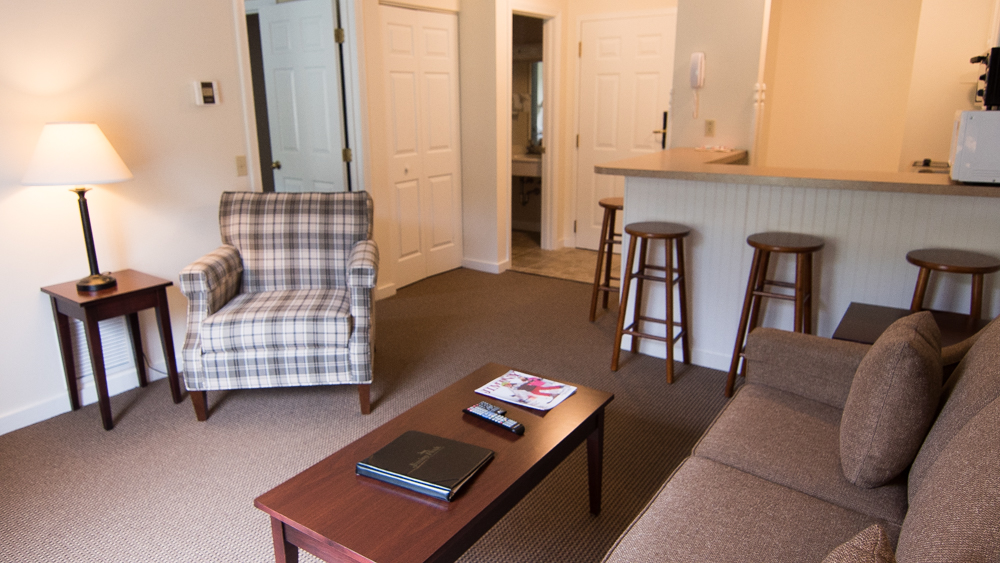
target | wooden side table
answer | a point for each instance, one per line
(135, 291)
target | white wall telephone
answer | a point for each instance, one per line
(697, 77)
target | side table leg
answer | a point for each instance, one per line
(284, 552)
(167, 340)
(100, 377)
(66, 349)
(595, 463)
(136, 335)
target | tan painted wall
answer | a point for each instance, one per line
(943, 80)
(837, 83)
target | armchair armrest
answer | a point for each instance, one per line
(362, 265)
(817, 368)
(212, 280)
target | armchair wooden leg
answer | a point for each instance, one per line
(364, 395)
(200, 401)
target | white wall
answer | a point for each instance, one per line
(729, 33)
(129, 66)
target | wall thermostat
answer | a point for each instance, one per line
(206, 93)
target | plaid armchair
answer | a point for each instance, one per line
(286, 300)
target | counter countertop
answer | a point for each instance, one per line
(724, 167)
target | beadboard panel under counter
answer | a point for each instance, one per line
(867, 234)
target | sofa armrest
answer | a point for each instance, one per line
(212, 280)
(817, 368)
(362, 265)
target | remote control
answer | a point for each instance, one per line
(491, 408)
(496, 418)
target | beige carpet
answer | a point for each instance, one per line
(163, 487)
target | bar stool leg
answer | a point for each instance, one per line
(758, 288)
(976, 309)
(744, 320)
(920, 290)
(626, 285)
(597, 272)
(682, 304)
(669, 283)
(808, 298)
(609, 254)
(640, 272)
(800, 292)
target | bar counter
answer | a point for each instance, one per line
(869, 220)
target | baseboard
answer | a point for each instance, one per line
(118, 382)
(699, 357)
(381, 292)
(488, 267)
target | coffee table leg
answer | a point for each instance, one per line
(595, 462)
(284, 552)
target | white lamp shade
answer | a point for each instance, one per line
(72, 154)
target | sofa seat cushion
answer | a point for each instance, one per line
(955, 516)
(708, 511)
(892, 401)
(793, 441)
(301, 318)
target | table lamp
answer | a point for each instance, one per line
(76, 154)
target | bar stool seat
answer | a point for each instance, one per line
(605, 252)
(802, 246)
(673, 236)
(956, 262)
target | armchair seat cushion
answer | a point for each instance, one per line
(286, 319)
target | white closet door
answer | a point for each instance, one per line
(421, 79)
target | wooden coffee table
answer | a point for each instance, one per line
(339, 516)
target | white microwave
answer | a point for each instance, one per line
(975, 147)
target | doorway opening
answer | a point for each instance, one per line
(299, 88)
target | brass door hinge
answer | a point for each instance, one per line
(580, 49)
(574, 226)
(338, 35)
(578, 141)
(347, 155)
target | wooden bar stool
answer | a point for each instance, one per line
(803, 246)
(956, 262)
(605, 250)
(673, 236)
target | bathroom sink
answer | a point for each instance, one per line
(526, 165)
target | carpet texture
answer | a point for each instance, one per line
(163, 487)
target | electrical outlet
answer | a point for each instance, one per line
(709, 127)
(241, 165)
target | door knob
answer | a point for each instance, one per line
(276, 165)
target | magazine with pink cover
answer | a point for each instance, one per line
(527, 390)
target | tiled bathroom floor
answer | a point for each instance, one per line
(566, 263)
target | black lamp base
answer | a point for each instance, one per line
(96, 282)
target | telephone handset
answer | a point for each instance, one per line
(697, 76)
(697, 70)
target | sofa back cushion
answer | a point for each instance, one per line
(974, 384)
(294, 240)
(892, 401)
(955, 516)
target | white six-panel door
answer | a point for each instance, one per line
(421, 79)
(302, 74)
(626, 70)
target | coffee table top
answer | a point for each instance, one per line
(383, 522)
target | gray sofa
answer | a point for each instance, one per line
(769, 480)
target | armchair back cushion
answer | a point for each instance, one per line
(294, 241)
